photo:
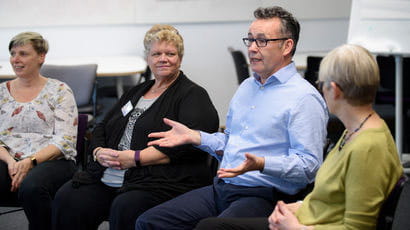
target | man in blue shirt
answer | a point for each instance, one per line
(273, 142)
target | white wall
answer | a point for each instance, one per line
(206, 59)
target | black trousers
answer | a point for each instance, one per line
(214, 223)
(87, 206)
(37, 190)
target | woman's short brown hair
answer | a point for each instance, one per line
(39, 44)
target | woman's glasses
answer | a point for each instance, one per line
(319, 86)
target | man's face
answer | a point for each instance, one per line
(265, 61)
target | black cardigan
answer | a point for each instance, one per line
(183, 101)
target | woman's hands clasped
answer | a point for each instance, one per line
(283, 217)
(115, 159)
(18, 171)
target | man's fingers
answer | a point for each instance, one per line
(161, 142)
(170, 122)
(156, 142)
(222, 174)
(157, 134)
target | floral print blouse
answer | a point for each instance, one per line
(49, 119)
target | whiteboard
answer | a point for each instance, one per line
(382, 26)
(23, 13)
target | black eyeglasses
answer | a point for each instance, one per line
(260, 42)
(319, 86)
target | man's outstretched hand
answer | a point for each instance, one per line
(178, 135)
(251, 163)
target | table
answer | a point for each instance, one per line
(110, 66)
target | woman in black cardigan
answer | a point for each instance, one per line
(127, 177)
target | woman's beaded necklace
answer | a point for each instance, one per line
(347, 137)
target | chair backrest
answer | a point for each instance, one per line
(335, 129)
(80, 78)
(241, 65)
(81, 139)
(147, 74)
(312, 69)
(401, 219)
(387, 211)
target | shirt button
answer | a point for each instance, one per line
(262, 87)
(252, 107)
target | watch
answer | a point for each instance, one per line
(5, 146)
(33, 160)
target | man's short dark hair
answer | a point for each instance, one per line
(290, 25)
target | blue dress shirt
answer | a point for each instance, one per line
(284, 121)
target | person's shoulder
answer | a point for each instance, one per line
(302, 89)
(55, 82)
(189, 85)
(57, 87)
(302, 83)
(375, 143)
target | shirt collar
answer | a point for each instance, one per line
(281, 76)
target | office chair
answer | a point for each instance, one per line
(81, 79)
(241, 64)
(401, 220)
(312, 69)
(387, 212)
(81, 147)
(146, 76)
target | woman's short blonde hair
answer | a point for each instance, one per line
(39, 44)
(355, 70)
(163, 33)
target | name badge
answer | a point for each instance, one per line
(126, 108)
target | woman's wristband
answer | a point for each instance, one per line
(137, 158)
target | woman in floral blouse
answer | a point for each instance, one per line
(38, 131)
